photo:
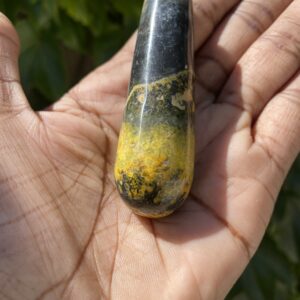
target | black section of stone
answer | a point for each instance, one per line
(146, 204)
(157, 107)
(132, 185)
(164, 41)
(179, 201)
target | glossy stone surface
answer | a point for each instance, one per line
(155, 158)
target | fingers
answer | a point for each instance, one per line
(277, 130)
(215, 61)
(267, 65)
(207, 15)
(11, 93)
(110, 81)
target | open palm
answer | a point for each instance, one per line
(65, 233)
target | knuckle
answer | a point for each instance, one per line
(250, 20)
(284, 41)
(255, 15)
(292, 95)
(268, 143)
(250, 100)
(260, 7)
(207, 11)
(8, 33)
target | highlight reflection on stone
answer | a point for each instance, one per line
(155, 158)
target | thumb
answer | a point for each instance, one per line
(12, 97)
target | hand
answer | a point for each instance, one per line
(65, 233)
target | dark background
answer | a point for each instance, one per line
(64, 39)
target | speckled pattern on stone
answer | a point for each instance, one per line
(155, 158)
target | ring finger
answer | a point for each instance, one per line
(216, 60)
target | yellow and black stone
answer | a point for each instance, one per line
(155, 157)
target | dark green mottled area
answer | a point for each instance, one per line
(130, 186)
(157, 107)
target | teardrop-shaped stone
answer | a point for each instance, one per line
(155, 157)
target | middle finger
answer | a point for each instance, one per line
(215, 61)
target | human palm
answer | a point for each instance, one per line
(65, 233)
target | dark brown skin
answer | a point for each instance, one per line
(65, 233)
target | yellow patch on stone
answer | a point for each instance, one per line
(141, 98)
(177, 101)
(158, 155)
(188, 95)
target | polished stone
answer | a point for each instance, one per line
(155, 158)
